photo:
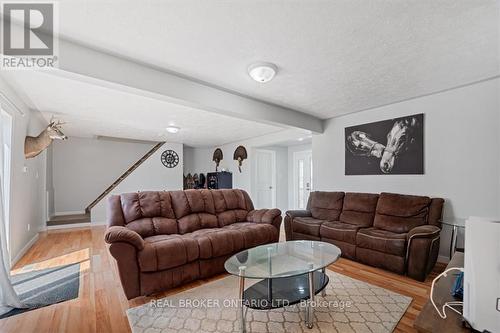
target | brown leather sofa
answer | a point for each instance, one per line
(164, 239)
(393, 231)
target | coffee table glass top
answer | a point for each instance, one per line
(282, 259)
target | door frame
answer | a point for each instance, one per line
(295, 173)
(273, 173)
(7, 178)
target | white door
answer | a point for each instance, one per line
(302, 178)
(265, 178)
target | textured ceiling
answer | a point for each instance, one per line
(92, 110)
(334, 57)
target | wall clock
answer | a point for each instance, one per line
(169, 158)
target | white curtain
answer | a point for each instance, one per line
(8, 296)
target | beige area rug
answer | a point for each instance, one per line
(349, 306)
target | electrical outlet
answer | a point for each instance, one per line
(29, 227)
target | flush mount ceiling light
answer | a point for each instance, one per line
(262, 71)
(303, 138)
(173, 129)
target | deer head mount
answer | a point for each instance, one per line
(33, 146)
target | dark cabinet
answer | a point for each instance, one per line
(218, 180)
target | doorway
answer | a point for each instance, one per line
(265, 178)
(302, 178)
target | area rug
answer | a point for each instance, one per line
(349, 306)
(45, 287)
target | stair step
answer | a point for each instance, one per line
(68, 219)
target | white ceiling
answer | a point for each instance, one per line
(334, 57)
(92, 110)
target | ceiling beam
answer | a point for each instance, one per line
(118, 73)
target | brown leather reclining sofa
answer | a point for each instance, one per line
(393, 231)
(164, 239)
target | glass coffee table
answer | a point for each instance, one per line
(290, 272)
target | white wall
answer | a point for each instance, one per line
(151, 175)
(189, 155)
(27, 197)
(83, 168)
(462, 154)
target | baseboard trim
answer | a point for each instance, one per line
(76, 225)
(23, 251)
(76, 212)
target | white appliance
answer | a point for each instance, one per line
(482, 274)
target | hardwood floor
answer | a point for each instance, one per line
(101, 305)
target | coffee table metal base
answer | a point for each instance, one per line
(279, 292)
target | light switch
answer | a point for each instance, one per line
(25, 169)
(498, 304)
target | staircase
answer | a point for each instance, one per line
(68, 219)
(122, 177)
(57, 221)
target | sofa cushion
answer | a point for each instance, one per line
(194, 210)
(325, 205)
(192, 201)
(254, 234)
(231, 216)
(307, 225)
(400, 213)
(167, 251)
(148, 213)
(231, 206)
(359, 209)
(339, 231)
(192, 222)
(387, 261)
(216, 242)
(151, 226)
(146, 204)
(382, 241)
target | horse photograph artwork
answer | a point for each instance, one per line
(393, 146)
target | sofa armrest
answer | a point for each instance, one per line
(269, 216)
(298, 213)
(424, 231)
(263, 215)
(289, 216)
(121, 234)
(422, 251)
